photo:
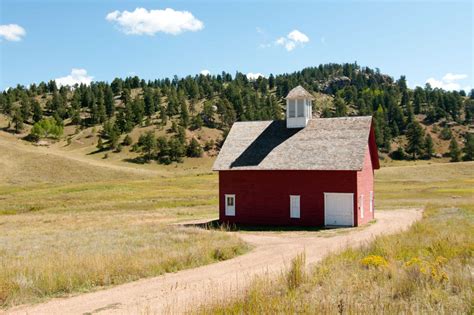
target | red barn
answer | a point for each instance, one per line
(302, 171)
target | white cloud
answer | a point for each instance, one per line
(12, 32)
(293, 39)
(449, 82)
(449, 77)
(254, 76)
(141, 21)
(205, 72)
(77, 76)
(298, 37)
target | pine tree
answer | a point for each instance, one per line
(181, 135)
(409, 114)
(429, 147)
(113, 139)
(379, 126)
(101, 110)
(194, 149)
(177, 150)
(25, 108)
(116, 86)
(163, 150)
(271, 81)
(109, 101)
(184, 115)
(454, 151)
(17, 121)
(415, 139)
(341, 108)
(149, 103)
(468, 147)
(163, 115)
(148, 143)
(196, 122)
(37, 111)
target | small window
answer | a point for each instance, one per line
(371, 207)
(230, 205)
(300, 108)
(291, 108)
(294, 207)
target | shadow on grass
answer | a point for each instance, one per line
(216, 225)
(98, 151)
(137, 160)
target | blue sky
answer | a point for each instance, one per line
(43, 40)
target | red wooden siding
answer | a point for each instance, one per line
(263, 197)
(365, 184)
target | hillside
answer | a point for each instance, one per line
(170, 119)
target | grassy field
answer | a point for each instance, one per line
(70, 224)
(67, 226)
(428, 269)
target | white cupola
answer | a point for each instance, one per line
(298, 107)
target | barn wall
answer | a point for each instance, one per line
(263, 197)
(365, 184)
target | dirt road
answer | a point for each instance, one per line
(181, 291)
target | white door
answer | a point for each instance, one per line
(361, 206)
(230, 205)
(339, 209)
(295, 207)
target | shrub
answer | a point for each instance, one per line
(374, 261)
(398, 154)
(209, 145)
(47, 128)
(296, 275)
(127, 140)
(194, 149)
(446, 134)
(432, 270)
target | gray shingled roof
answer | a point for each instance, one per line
(324, 144)
(299, 92)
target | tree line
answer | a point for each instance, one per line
(217, 101)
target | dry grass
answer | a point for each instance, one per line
(428, 269)
(46, 255)
(70, 226)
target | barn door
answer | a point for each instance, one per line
(295, 207)
(339, 209)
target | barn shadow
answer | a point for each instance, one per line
(274, 135)
(216, 225)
